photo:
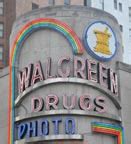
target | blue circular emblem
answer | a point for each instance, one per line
(100, 41)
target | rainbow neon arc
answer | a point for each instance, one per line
(109, 129)
(48, 23)
(23, 34)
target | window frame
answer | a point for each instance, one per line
(1, 30)
(51, 2)
(2, 8)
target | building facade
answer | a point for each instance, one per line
(130, 23)
(66, 82)
(7, 17)
(35, 4)
(15, 8)
(118, 8)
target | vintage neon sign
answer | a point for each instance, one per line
(85, 102)
(41, 127)
(82, 68)
(104, 46)
(27, 78)
(29, 28)
(109, 129)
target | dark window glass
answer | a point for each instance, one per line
(88, 3)
(1, 52)
(121, 28)
(85, 2)
(35, 6)
(51, 2)
(130, 33)
(120, 7)
(1, 30)
(129, 14)
(115, 4)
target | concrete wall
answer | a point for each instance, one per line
(125, 92)
(4, 87)
(24, 6)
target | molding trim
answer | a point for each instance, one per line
(124, 67)
(68, 112)
(50, 138)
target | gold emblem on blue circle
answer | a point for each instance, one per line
(100, 41)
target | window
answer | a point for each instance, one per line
(1, 30)
(51, 2)
(129, 14)
(120, 7)
(130, 33)
(1, 8)
(67, 2)
(103, 3)
(1, 52)
(121, 28)
(35, 6)
(87, 3)
(115, 4)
